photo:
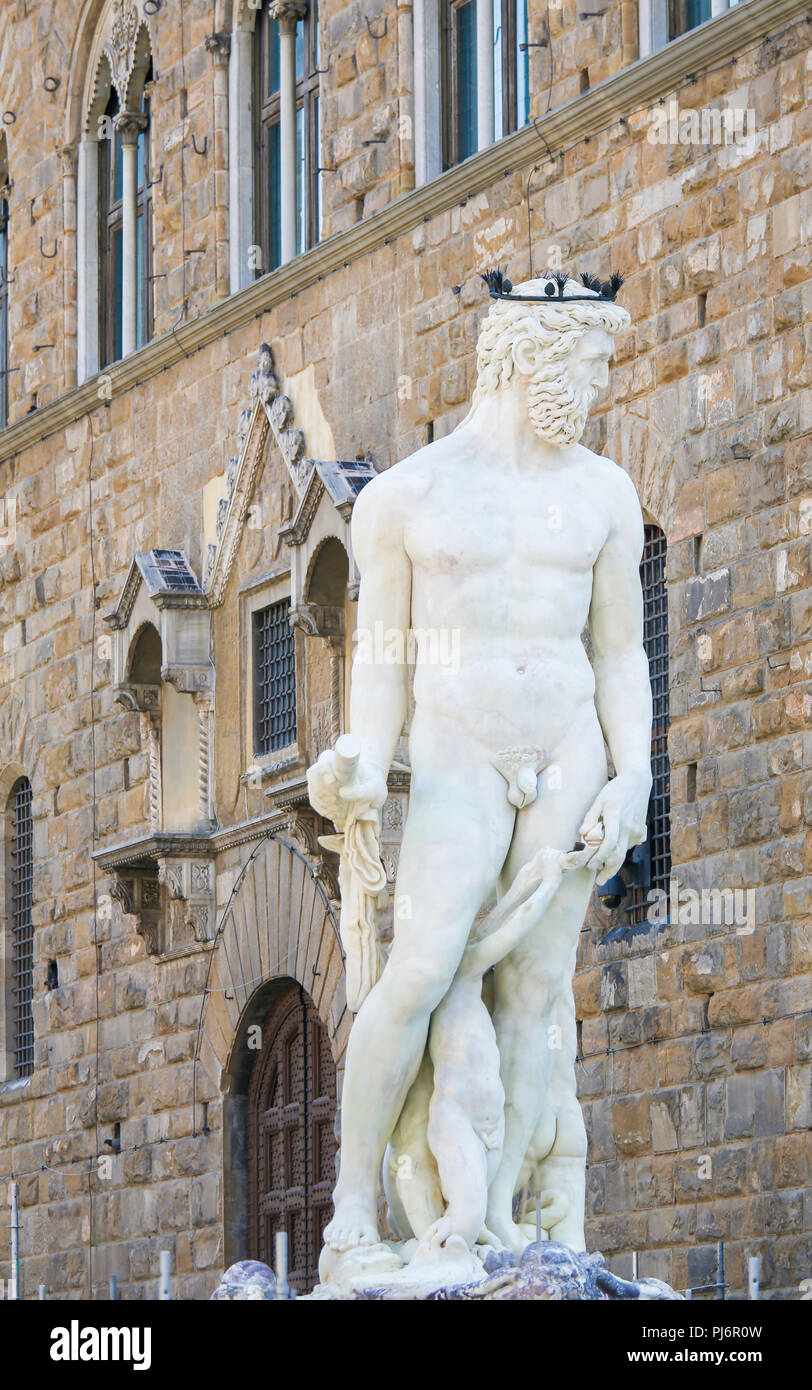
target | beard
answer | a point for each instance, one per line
(557, 410)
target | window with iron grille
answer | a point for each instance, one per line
(656, 864)
(21, 889)
(274, 679)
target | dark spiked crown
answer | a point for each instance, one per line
(500, 287)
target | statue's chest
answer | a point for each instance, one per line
(462, 529)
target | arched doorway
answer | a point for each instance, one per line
(291, 1139)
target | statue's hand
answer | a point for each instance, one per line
(334, 799)
(618, 813)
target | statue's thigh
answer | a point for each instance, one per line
(453, 849)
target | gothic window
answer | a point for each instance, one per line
(19, 889)
(111, 230)
(286, 84)
(274, 679)
(292, 1146)
(651, 868)
(114, 201)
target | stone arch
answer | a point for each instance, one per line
(19, 746)
(91, 72)
(141, 667)
(280, 922)
(646, 454)
(327, 572)
(278, 926)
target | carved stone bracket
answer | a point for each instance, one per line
(167, 883)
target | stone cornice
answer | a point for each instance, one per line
(641, 84)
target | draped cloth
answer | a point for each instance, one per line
(362, 880)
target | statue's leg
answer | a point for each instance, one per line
(413, 1173)
(456, 838)
(535, 1049)
(563, 1169)
(462, 1161)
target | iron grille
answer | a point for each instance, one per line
(274, 679)
(655, 641)
(22, 929)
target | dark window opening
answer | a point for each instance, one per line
(111, 236)
(684, 15)
(654, 856)
(21, 899)
(274, 679)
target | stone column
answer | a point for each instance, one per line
(287, 13)
(241, 231)
(428, 151)
(129, 124)
(67, 159)
(484, 73)
(87, 259)
(219, 46)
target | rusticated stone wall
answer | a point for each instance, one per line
(695, 1039)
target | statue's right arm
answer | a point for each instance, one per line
(378, 687)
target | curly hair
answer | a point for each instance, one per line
(554, 327)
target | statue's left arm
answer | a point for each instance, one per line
(622, 686)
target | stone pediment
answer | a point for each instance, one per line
(271, 413)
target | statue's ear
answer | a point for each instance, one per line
(525, 354)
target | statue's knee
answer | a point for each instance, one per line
(415, 987)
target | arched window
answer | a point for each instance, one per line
(20, 890)
(114, 233)
(112, 160)
(5, 186)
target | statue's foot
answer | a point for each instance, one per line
(505, 1234)
(355, 1223)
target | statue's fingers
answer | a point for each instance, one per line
(611, 831)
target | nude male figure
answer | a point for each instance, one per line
(512, 534)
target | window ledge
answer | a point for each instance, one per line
(8, 1088)
(633, 87)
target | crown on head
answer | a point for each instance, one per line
(499, 287)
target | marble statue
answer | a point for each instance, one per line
(511, 536)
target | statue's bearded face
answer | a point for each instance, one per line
(562, 389)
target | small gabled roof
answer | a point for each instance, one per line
(168, 577)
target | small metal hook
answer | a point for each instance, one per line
(152, 182)
(48, 255)
(327, 69)
(371, 31)
(205, 144)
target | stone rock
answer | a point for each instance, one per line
(247, 1280)
(546, 1271)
